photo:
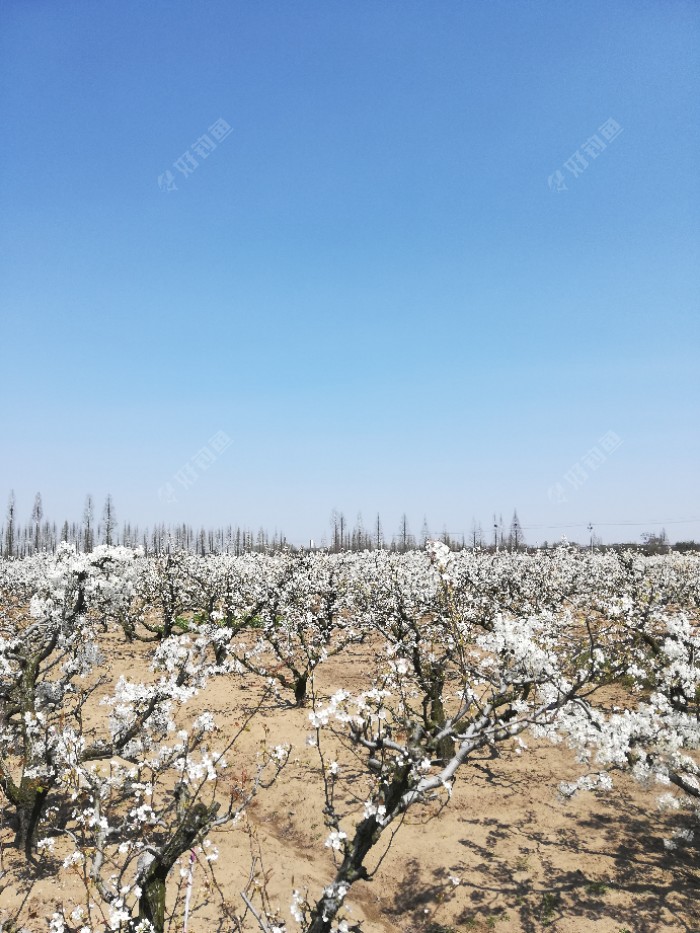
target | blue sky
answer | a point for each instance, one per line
(371, 284)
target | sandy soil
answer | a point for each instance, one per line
(525, 859)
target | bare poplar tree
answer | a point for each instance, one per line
(88, 525)
(37, 515)
(10, 529)
(515, 538)
(109, 520)
(378, 534)
(405, 538)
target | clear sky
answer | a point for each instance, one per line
(335, 237)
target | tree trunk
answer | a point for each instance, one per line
(435, 714)
(352, 869)
(300, 686)
(29, 799)
(152, 882)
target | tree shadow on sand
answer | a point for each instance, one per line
(662, 887)
(609, 866)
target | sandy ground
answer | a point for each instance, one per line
(524, 858)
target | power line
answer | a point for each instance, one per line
(672, 521)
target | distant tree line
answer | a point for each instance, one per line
(361, 538)
(20, 539)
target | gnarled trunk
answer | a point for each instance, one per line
(152, 882)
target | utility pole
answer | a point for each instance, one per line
(590, 530)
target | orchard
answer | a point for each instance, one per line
(165, 721)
